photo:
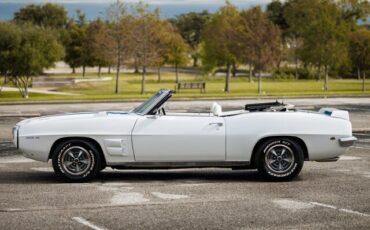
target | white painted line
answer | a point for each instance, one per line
(128, 198)
(292, 204)
(87, 223)
(43, 169)
(340, 209)
(349, 158)
(359, 147)
(168, 196)
(14, 159)
(323, 205)
(354, 212)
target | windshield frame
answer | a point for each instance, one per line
(149, 106)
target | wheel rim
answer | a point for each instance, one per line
(279, 158)
(76, 160)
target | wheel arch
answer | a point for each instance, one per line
(297, 139)
(91, 140)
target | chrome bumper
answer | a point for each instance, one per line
(347, 141)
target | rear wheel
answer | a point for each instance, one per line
(76, 160)
(280, 159)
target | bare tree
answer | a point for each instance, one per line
(118, 20)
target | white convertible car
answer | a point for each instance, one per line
(272, 137)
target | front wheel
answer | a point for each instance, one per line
(279, 159)
(76, 160)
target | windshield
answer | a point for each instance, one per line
(150, 103)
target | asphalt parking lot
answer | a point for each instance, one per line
(324, 196)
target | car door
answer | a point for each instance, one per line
(179, 138)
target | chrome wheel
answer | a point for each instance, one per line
(76, 160)
(279, 159)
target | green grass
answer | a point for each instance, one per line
(130, 85)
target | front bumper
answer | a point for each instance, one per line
(347, 141)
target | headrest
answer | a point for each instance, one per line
(216, 109)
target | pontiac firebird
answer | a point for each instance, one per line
(273, 138)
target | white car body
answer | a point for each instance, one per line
(187, 139)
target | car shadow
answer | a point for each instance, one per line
(139, 176)
(181, 176)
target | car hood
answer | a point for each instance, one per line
(73, 116)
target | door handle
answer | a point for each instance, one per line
(216, 123)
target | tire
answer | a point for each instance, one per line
(279, 159)
(76, 161)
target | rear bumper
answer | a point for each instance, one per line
(347, 141)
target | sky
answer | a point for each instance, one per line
(95, 8)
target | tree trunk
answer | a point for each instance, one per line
(159, 74)
(143, 80)
(26, 90)
(363, 81)
(195, 61)
(117, 74)
(358, 73)
(99, 71)
(227, 79)
(250, 72)
(177, 73)
(83, 70)
(109, 69)
(73, 69)
(259, 83)
(234, 70)
(326, 86)
(136, 66)
(296, 68)
(319, 72)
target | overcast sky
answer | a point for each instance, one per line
(151, 2)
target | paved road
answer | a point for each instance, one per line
(325, 196)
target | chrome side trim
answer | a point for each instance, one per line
(347, 141)
(174, 165)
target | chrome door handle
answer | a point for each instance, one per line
(216, 123)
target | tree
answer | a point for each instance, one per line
(119, 29)
(46, 15)
(259, 40)
(98, 45)
(176, 50)
(191, 26)
(275, 12)
(321, 26)
(73, 41)
(10, 40)
(31, 50)
(359, 50)
(354, 10)
(148, 40)
(217, 45)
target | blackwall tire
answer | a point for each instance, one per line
(279, 159)
(76, 161)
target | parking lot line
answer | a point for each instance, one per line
(340, 209)
(87, 223)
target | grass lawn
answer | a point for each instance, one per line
(130, 85)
